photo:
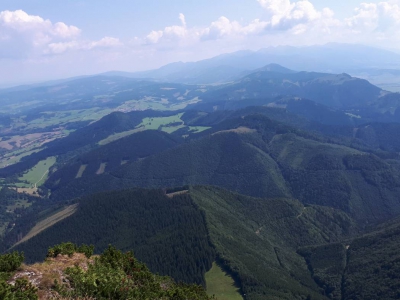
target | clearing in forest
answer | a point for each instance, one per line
(82, 169)
(221, 285)
(48, 222)
(36, 176)
(101, 169)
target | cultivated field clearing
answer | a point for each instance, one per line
(221, 285)
(24, 141)
(48, 222)
(155, 123)
(101, 169)
(38, 174)
(82, 169)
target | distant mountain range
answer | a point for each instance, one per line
(379, 66)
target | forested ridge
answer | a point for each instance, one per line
(265, 159)
(181, 236)
(169, 235)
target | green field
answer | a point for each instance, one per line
(155, 123)
(38, 174)
(16, 156)
(171, 129)
(221, 285)
(64, 117)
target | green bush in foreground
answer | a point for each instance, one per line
(10, 262)
(22, 289)
(117, 275)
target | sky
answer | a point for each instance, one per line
(47, 39)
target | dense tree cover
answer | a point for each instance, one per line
(365, 268)
(169, 235)
(131, 148)
(276, 248)
(270, 160)
(9, 212)
(177, 236)
(221, 159)
(256, 240)
(327, 264)
(24, 219)
(325, 174)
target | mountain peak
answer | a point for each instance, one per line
(275, 68)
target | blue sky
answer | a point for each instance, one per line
(48, 39)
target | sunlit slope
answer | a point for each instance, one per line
(259, 157)
(181, 235)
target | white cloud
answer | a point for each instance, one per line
(375, 16)
(24, 36)
(154, 36)
(61, 47)
(282, 16)
(20, 22)
(32, 38)
(106, 42)
(170, 33)
(286, 19)
(183, 19)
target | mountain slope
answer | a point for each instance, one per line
(340, 91)
(181, 234)
(169, 235)
(364, 268)
(259, 157)
(113, 155)
(333, 57)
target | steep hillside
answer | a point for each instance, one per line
(112, 156)
(169, 235)
(256, 240)
(340, 91)
(227, 159)
(365, 268)
(259, 157)
(180, 234)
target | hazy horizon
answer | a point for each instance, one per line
(43, 40)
